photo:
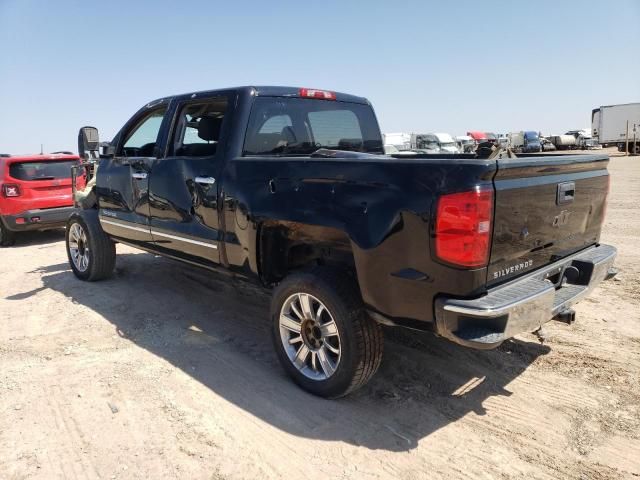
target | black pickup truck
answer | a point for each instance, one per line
(290, 188)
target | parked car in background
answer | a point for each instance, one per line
(35, 193)
(446, 143)
(465, 144)
(609, 125)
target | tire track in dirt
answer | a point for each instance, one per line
(71, 438)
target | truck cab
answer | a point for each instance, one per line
(446, 143)
(525, 141)
(478, 137)
(426, 143)
(465, 144)
(531, 142)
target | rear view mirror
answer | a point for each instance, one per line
(88, 142)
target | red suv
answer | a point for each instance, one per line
(35, 193)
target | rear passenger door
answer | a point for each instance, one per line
(123, 180)
(184, 185)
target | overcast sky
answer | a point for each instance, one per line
(448, 66)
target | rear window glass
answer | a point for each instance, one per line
(276, 124)
(300, 126)
(50, 170)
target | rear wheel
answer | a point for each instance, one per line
(323, 337)
(7, 237)
(91, 253)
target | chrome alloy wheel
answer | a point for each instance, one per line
(79, 247)
(310, 336)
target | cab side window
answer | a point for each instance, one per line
(198, 128)
(141, 140)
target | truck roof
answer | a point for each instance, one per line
(266, 91)
(618, 105)
(443, 137)
(477, 135)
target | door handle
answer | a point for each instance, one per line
(139, 175)
(205, 180)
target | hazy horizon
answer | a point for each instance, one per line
(446, 67)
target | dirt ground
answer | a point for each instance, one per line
(167, 371)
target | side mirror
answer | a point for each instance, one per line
(88, 142)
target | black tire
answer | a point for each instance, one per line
(101, 252)
(7, 237)
(360, 338)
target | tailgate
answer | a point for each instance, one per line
(546, 208)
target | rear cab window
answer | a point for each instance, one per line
(47, 170)
(300, 126)
(198, 128)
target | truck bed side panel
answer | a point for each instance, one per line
(384, 206)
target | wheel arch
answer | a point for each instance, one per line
(286, 246)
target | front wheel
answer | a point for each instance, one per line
(91, 253)
(323, 337)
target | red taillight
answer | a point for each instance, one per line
(321, 94)
(9, 190)
(463, 227)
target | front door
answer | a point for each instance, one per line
(124, 197)
(184, 189)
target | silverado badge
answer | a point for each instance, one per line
(512, 269)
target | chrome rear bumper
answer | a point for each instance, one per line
(526, 303)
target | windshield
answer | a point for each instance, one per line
(531, 135)
(448, 144)
(50, 170)
(300, 126)
(426, 142)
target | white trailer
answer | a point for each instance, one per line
(609, 125)
(515, 140)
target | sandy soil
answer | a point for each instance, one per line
(167, 371)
